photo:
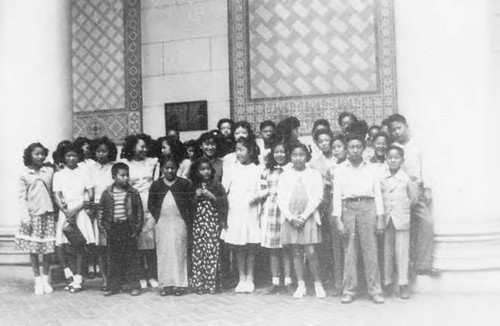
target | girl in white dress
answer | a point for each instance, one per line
(71, 188)
(135, 154)
(242, 183)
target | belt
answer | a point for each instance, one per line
(360, 198)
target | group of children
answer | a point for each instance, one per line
(176, 216)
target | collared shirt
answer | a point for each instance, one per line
(350, 182)
(313, 184)
(398, 193)
(35, 190)
(413, 164)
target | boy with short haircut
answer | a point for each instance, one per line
(398, 192)
(421, 228)
(122, 220)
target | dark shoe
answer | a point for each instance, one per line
(90, 275)
(346, 298)
(274, 289)
(135, 292)
(108, 293)
(335, 292)
(179, 292)
(404, 292)
(104, 288)
(378, 299)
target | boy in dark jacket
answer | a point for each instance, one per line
(122, 219)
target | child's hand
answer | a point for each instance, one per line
(199, 192)
(208, 194)
(428, 195)
(341, 228)
(223, 224)
(297, 222)
(380, 224)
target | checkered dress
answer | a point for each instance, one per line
(270, 220)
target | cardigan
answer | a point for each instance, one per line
(133, 209)
(183, 193)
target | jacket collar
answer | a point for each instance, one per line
(387, 173)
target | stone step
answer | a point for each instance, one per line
(9, 255)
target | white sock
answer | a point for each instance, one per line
(68, 273)
(288, 280)
(276, 281)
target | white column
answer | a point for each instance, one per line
(444, 58)
(35, 87)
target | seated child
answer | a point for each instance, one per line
(122, 219)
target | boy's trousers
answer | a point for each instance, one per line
(396, 250)
(421, 235)
(122, 253)
(360, 222)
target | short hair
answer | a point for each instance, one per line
(400, 150)
(225, 120)
(344, 114)
(169, 158)
(112, 150)
(214, 135)
(373, 127)
(194, 144)
(286, 126)
(67, 146)
(340, 137)
(323, 132)
(27, 158)
(357, 130)
(193, 173)
(396, 118)
(270, 161)
(384, 135)
(296, 145)
(252, 147)
(80, 141)
(130, 143)
(385, 122)
(118, 166)
(267, 123)
(245, 125)
(321, 122)
(176, 147)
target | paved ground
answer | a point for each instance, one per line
(19, 306)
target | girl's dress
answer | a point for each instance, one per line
(72, 184)
(300, 193)
(101, 178)
(242, 184)
(141, 178)
(270, 216)
(36, 235)
(169, 206)
(206, 234)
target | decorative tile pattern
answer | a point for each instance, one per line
(106, 68)
(311, 48)
(311, 59)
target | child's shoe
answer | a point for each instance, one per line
(249, 287)
(38, 285)
(320, 292)
(76, 286)
(404, 292)
(300, 292)
(69, 278)
(144, 284)
(45, 283)
(240, 288)
(153, 283)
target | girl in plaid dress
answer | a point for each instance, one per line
(270, 219)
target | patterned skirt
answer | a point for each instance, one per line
(206, 247)
(37, 236)
(270, 224)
